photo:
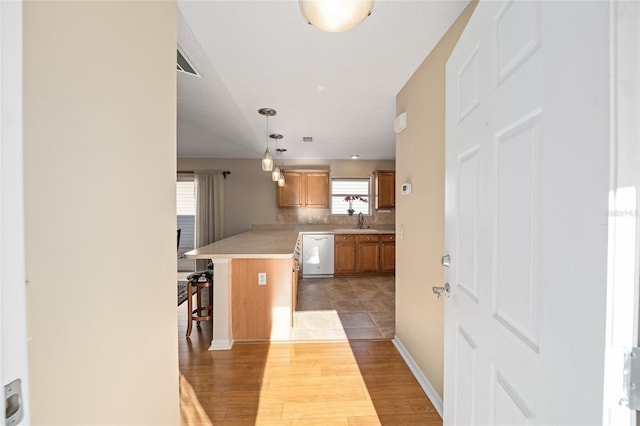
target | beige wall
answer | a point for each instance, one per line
(100, 111)
(250, 195)
(420, 161)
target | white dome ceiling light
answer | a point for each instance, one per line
(335, 16)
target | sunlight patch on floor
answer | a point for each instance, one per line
(191, 411)
(318, 326)
(305, 390)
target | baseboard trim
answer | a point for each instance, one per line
(420, 377)
(221, 345)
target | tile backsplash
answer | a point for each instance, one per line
(324, 217)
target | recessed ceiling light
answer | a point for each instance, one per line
(355, 157)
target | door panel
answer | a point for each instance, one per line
(525, 202)
(465, 396)
(516, 227)
(467, 214)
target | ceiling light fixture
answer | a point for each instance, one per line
(281, 178)
(267, 160)
(335, 16)
(355, 157)
(275, 174)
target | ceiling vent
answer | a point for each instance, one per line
(307, 139)
(185, 66)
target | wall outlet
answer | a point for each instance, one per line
(262, 278)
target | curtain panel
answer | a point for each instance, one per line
(209, 210)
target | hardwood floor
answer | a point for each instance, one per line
(343, 383)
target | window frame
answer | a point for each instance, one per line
(333, 194)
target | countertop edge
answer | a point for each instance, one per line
(216, 250)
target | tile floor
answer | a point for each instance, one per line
(345, 308)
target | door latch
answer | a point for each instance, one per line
(13, 403)
(631, 379)
(439, 291)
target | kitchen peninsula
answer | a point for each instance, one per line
(243, 308)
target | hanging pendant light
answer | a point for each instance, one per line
(335, 16)
(267, 159)
(275, 175)
(281, 181)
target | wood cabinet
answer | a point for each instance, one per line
(253, 305)
(316, 194)
(368, 253)
(344, 254)
(364, 254)
(304, 189)
(385, 189)
(387, 253)
(291, 194)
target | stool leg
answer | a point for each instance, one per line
(189, 308)
(210, 290)
(199, 305)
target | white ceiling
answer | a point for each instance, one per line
(339, 88)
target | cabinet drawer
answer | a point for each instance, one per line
(387, 237)
(367, 238)
(344, 238)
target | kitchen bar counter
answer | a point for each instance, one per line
(249, 245)
(272, 243)
(268, 249)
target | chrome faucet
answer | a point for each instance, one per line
(360, 221)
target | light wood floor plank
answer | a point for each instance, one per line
(334, 383)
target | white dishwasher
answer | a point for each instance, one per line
(317, 255)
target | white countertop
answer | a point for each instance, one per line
(266, 244)
(252, 244)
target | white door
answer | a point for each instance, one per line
(13, 324)
(527, 140)
(624, 229)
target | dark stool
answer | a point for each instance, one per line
(199, 281)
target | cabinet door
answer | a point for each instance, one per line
(345, 254)
(291, 194)
(368, 253)
(385, 194)
(387, 253)
(317, 189)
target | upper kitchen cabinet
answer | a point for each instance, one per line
(385, 189)
(304, 189)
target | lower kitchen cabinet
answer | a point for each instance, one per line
(387, 253)
(364, 254)
(368, 253)
(345, 254)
